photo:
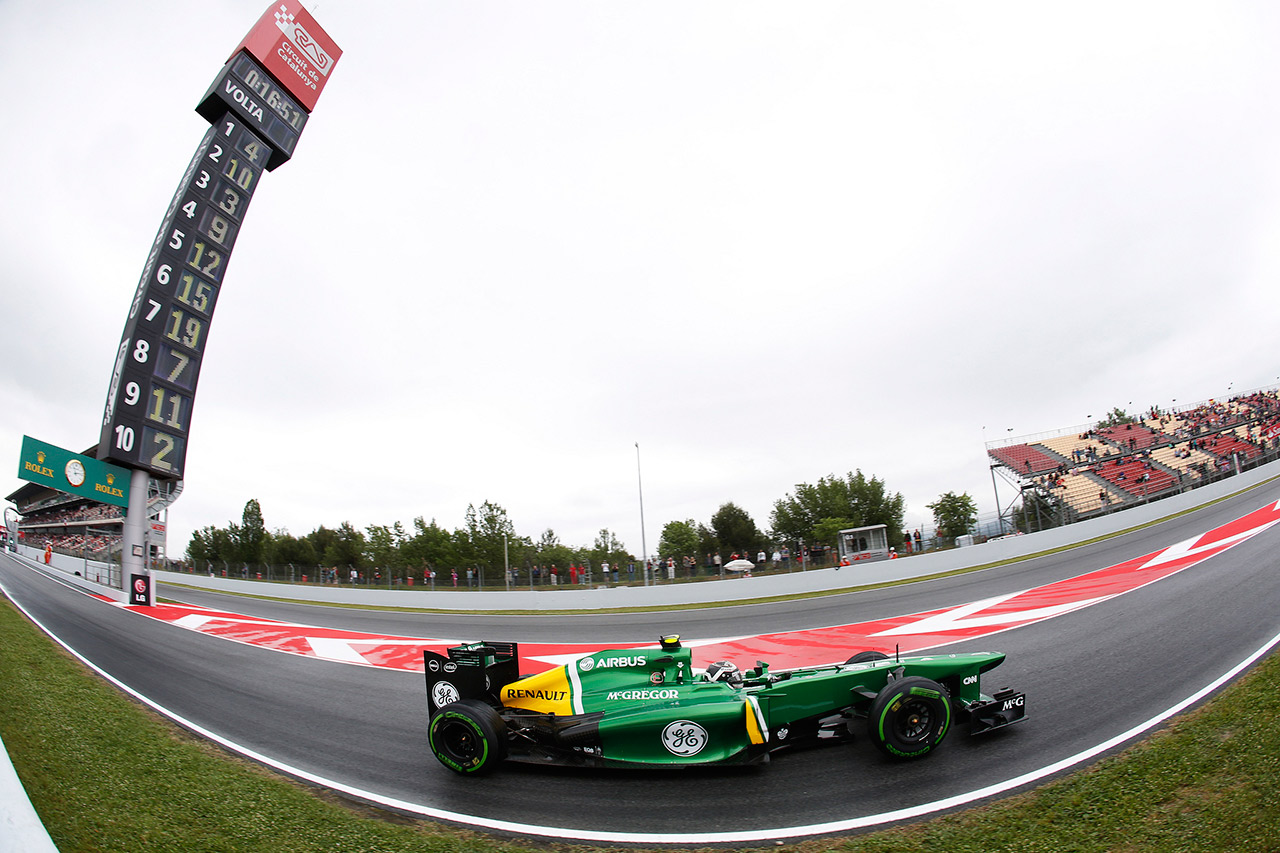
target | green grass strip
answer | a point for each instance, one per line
(106, 774)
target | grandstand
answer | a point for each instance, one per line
(1079, 473)
(80, 527)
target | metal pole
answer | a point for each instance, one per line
(133, 559)
(996, 492)
(644, 548)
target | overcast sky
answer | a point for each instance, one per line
(768, 242)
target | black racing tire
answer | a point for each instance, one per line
(910, 717)
(468, 737)
(867, 657)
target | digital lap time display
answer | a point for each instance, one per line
(245, 88)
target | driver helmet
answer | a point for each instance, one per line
(723, 670)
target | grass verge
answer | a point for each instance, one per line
(108, 775)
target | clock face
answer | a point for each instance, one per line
(75, 473)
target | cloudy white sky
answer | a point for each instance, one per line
(768, 242)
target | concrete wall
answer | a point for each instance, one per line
(90, 575)
(735, 589)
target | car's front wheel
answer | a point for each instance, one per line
(909, 717)
(866, 657)
(467, 736)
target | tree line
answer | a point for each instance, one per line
(811, 515)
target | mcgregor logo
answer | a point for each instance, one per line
(664, 693)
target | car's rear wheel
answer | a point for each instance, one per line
(909, 717)
(468, 737)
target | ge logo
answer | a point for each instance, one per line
(140, 586)
(684, 738)
(442, 693)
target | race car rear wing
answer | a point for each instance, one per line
(472, 671)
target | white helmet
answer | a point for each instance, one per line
(723, 670)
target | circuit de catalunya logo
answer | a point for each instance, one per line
(912, 633)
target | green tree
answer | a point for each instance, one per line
(953, 514)
(346, 549)
(286, 550)
(384, 546)
(549, 551)
(854, 498)
(430, 546)
(707, 541)
(736, 530)
(680, 539)
(608, 548)
(486, 529)
(251, 536)
(1117, 417)
(210, 544)
(827, 531)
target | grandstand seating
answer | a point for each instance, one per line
(1025, 458)
(75, 543)
(1226, 443)
(1084, 495)
(1186, 460)
(1154, 456)
(1136, 476)
(1131, 437)
(1066, 445)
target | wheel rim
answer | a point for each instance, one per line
(460, 741)
(914, 722)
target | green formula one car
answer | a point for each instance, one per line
(649, 708)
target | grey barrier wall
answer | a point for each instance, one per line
(742, 588)
(90, 575)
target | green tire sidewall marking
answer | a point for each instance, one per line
(897, 703)
(448, 760)
(946, 722)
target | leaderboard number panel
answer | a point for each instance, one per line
(258, 106)
(153, 389)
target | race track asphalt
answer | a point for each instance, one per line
(1090, 676)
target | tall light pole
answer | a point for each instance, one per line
(644, 548)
